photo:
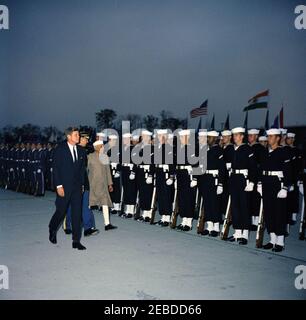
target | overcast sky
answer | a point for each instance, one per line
(63, 60)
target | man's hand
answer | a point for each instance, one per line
(60, 191)
(110, 188)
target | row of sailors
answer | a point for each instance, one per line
(27, 167)
(243, 172)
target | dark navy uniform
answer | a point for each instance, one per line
(275, 175)
(40, 167)
(243, 171)
(165, 184)
(49, 168)
(208, 183)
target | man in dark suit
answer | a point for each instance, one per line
(69, 172)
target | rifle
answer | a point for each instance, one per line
(137, 207)
(197, 205)
(121, 202)
(153, 207)
(227, 220)
(201, 220)
(303, 220)
(260, 227)
(175, 208)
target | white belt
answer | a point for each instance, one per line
(114, 165)
(184, 167)
(213, 172)
(279, 174)
(240, 171)
(146, 167)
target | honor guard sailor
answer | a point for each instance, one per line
(211, 184)
(273, 186)
(241, 183)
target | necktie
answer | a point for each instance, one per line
(74, 155)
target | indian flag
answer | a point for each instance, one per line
(260, 101)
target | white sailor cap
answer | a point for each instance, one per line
(253, 131)
(100, 134)
(113, 136)
(146, 133)
(202, 134)
(262, 138)
(213, 133)
(273, 131)
(226, 133)
(283, 131)
(161, 131)
(238, 130)
(98, 143)
(290, 135)
(126, 135)
(135, 137)
(184, 132)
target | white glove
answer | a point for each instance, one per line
(132, 176)
(117, 175)
(149, 180)
(193, 183)
(249, 187)
(38, 171)
(259, 188)
(169, 182)
(301, 187)
(282, 194)
(228, 165)
(291, 188)
(219, 189)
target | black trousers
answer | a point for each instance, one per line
(164, 193)
(129, 187)
(275, 209)
(62, 203)
(116, 194)
(240, 202)
(255, 202)
(185, 194)
(211, 201)
(145, 190)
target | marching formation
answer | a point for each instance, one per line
(233, 179)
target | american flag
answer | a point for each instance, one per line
(200, 111)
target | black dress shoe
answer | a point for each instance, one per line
(147, 219)
(67, 231)
(160, 222)
(140, 218)
(180, 227)
(165, 224)
(205, 232)
(278, 248)
(186, 228)
(231, 239)
(128, 216)
(78, 245)
(52, 236)
(268, 246)
(114, 212)
(91, 232)
(214, 234)
(243, 241)
(110, 227)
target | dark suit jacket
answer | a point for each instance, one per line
(70, 175)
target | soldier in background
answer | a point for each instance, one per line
(115, 166)
(145, 176)
(241, 183)
(49, 167)
(129, 183)
(2, 166)
(40, 167)
(211, 184)
(273, 186)
(263, 140)
(22, 168)
(186, 181)
(258, 151)
(165, 176)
